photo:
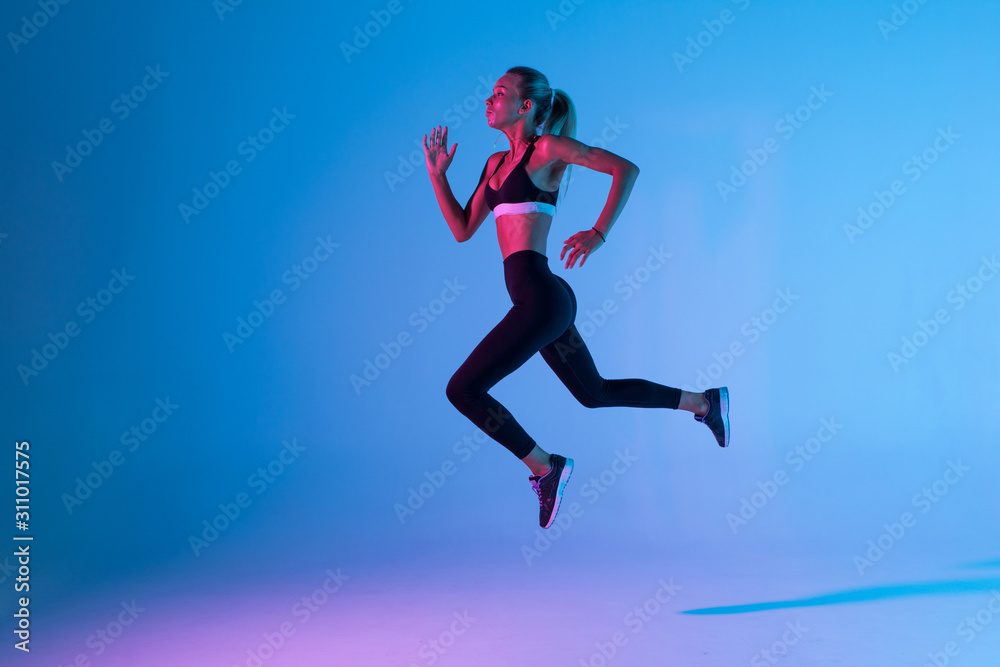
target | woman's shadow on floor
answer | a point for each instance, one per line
(952, 587)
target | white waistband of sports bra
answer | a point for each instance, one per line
(524, 207)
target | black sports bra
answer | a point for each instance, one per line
(517, 194)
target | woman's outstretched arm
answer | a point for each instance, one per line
(462, 222)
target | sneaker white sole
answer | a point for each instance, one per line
(724, 408)
(563, 478)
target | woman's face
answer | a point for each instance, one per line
(502, 106)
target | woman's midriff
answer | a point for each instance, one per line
(523, 231)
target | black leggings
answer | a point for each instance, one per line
(541, 320)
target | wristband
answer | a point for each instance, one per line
(604, 240)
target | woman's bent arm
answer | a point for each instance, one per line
(454, 215)
(623, 177)
(462, 222)
(623, 172)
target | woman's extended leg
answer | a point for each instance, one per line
(570, 359)
(572, 363)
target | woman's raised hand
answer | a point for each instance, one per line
(436, 152)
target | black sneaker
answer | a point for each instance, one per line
(717, 417)
(550, 488)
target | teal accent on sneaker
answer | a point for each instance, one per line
(549, 488)
(717, 417)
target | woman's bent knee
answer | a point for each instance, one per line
(459, 392)
(454, 391)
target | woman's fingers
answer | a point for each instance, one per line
(580, 245)
(439, 137)
(571, 260)
(436, 149)
(568, 244)
(571, 247)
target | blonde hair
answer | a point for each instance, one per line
(555, 112)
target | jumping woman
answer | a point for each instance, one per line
(521, 190)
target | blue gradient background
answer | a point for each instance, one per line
(327, 176)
